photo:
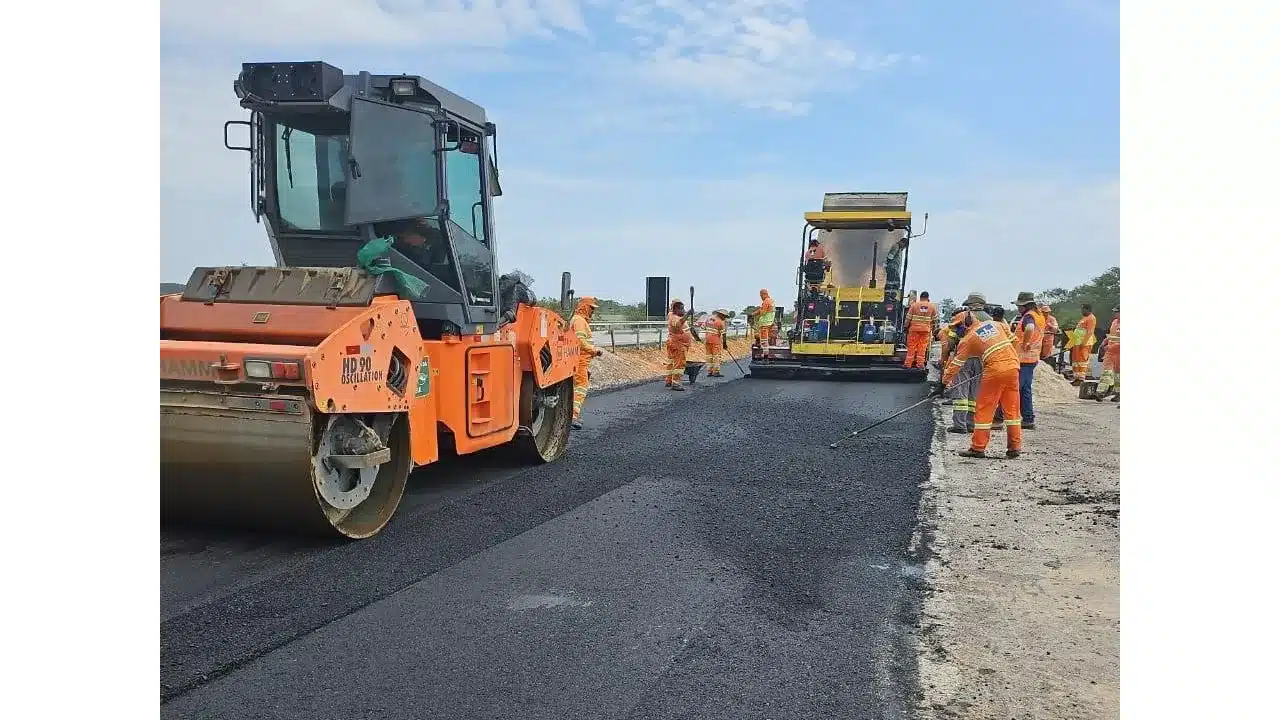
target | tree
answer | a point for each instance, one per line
(946, 308)
(1103, 292)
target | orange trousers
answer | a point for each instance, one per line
(767, 336)
(713, 354)
(581, 378)
(677, 354)
(917, 347)
(1080, 361)
(997, 389)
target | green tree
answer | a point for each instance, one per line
(946, 308)
(1103, 292)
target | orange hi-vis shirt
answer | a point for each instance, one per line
(582, 329)
(988, 340)
(1085, 330)
(677, 332)
(714, 326)
(1029, 336)
(921, 316)
(1113, 334)
(1050, 330)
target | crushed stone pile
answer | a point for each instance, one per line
(1050, 387)
(624, 365)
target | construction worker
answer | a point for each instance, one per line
(765, 316)
(1083, 338)
(815, 252)
(922, 318)
(964, 392)
(991, 343)
(815, 265)
(1028, 336)
(679, 340)
(1051, 331)
(714, 341)
(1109, 383)
(581, 323)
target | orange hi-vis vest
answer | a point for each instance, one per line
(1030, 341)
(582, 329)
(714, 328)
(1050, 330)
(921, 315)
(987, 340)
(676, 334)
(1113, 334)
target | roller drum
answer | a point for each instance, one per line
(252, 461)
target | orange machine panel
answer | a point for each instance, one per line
(548, 347)
(424, 438)
(294, 324)
(476, 386)
(370, 364)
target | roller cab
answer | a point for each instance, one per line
(299, 397)
(849, 308)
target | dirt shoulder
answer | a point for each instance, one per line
(627, 365)
(1022, 616)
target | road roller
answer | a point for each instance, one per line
(299, 397)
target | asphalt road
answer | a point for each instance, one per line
(696, 555)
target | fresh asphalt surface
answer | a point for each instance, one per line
(695, 555)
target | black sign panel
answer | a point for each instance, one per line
(657, 296)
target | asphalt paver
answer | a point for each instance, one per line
(696, 555)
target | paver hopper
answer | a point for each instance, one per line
(849, 309)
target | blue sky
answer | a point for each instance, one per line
(682, 138)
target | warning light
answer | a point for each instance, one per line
(285, 370)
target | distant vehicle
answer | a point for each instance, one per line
(738, 322)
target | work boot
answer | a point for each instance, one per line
(971, 453)
(1115, 398)
(1028, 426)
(1011, 453)
(576, 424)
(957, 430)
(678, 387)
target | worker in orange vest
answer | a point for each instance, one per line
(1051, 331)
(1109, 383)
(991, 342)
(765, 316)
(714, 341)
(581, 324)
(679, 340)
(1029, 342)
(964, 392)
(1083, 338)
(922, 318)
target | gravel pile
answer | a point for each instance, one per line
(1050, 387)
(634, 364)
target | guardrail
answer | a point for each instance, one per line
(640, 333)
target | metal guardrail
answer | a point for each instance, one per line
(640, 333)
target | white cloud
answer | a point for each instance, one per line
(758, 53)
(380, 23)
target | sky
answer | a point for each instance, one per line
(687, 139)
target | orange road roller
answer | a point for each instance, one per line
(299, 397)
